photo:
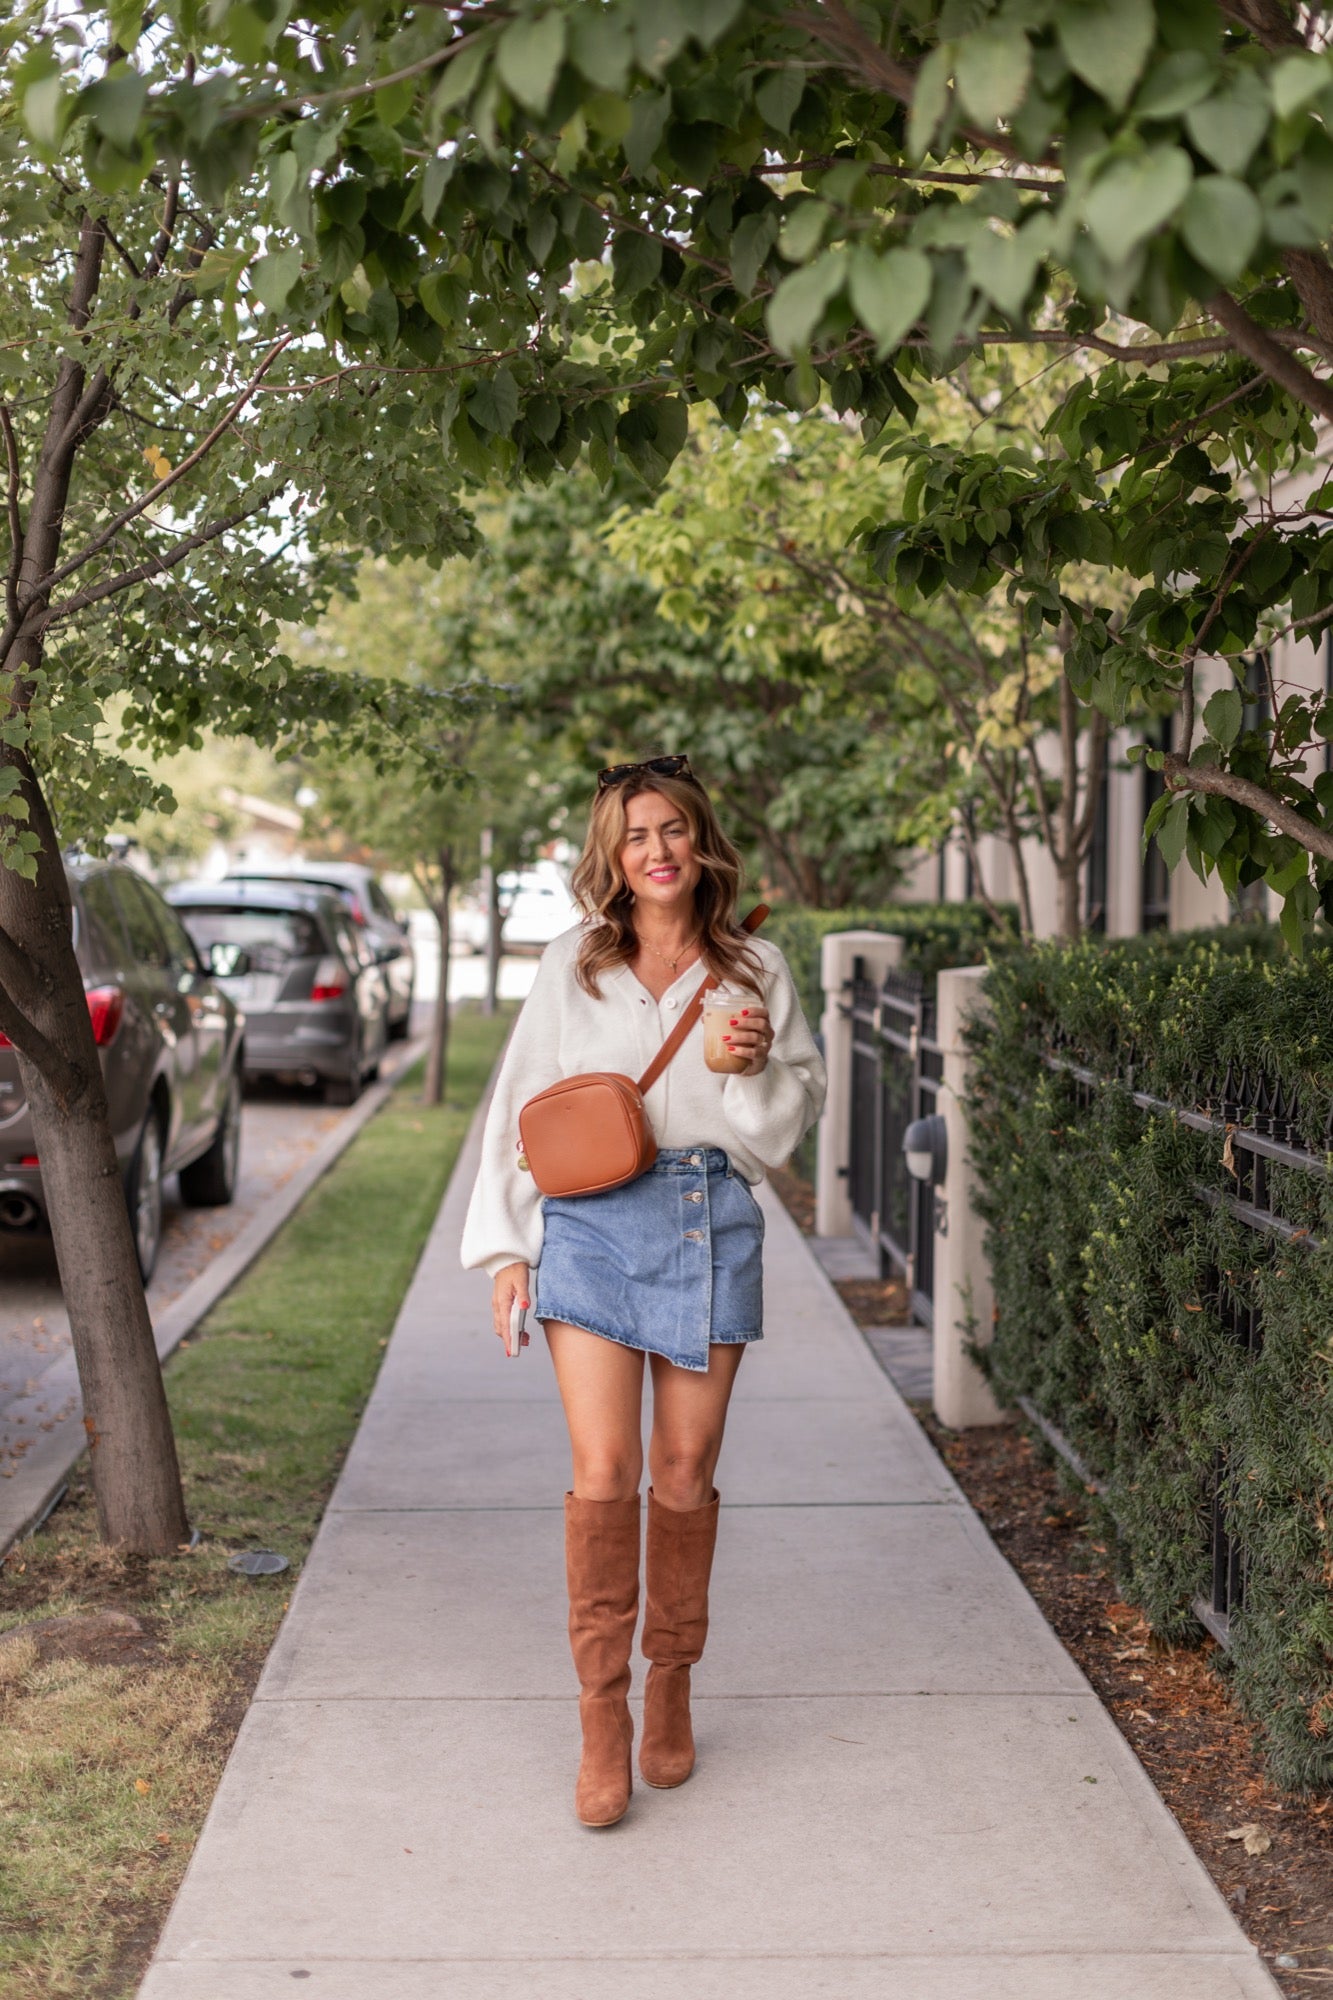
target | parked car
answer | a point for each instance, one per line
(316, 1001)
(371, 910)
(537, 907)
(171, 1044)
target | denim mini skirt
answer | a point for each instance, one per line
(670, 1263)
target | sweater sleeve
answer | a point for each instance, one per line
(771, 1112)
(504, 1218)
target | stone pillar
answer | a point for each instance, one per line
(963, 1296)
(880, 950)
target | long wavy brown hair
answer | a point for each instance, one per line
(601, 890)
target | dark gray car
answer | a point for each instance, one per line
(380, 928)
(316, 1003)
(171, 1046)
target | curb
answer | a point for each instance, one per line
(29, 1496)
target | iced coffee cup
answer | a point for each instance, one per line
(721, 1007)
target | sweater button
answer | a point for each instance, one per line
(671, 1004)
(694, 1236)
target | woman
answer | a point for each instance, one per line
(667, 1265)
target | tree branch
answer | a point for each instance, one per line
(1220, 784)
(1269, 23)
(15, 518)
(144, 571)
(837, 29)
(173, 478)
(1259, 346)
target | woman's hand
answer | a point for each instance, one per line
(511, 1283)
(750, 1033)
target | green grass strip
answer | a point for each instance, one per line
(109, 1759)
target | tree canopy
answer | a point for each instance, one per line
(541, 229)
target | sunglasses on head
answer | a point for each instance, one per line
(660, 767)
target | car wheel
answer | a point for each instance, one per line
(399, 1030)
(143, 1191)
(210, 1181)
(343, 1089)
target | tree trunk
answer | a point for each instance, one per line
(437, 1056)
(494, 940)
(136, 1476)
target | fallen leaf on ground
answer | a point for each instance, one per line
(1256, 1841)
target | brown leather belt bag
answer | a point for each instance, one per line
(590, 1133)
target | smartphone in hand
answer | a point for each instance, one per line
(518, 1326)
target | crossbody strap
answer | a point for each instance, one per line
(671, 1046)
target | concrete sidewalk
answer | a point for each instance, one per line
(906, 1789)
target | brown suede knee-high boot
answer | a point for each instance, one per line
(675, 1625)
(602, 1566)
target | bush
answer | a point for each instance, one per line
(936, 934)
(1124, 1287)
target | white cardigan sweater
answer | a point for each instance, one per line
(563, 1031)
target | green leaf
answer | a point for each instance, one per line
(493, 404)
(1183, 78)
(1172, 831)
(1295, 80)
(1228, 126)
(1314, 179)
(356, 292)
(660, 32)
(779, 95)
(462, 72)
(797, 307)
(751, 241)
(1004, 266)
(649, 112)
(803, 227)
(116, 104)
(1106, 43)
(126, 17)
(1222, 716)
(529, 56)
(444, 297)
(1135, 197)
(1221, 221)
(47, 111)
(993, 70)
(600, 46)
(636, 262)
(274, 277)
(929, 100)
(434, 180)
(889, 293)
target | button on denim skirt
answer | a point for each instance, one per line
(670, 1263)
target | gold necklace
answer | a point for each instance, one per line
(684, 952)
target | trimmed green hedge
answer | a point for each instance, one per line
(937, 935)
(1120, 1291)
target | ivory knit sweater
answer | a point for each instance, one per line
(563, 1031)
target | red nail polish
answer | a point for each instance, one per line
(744, 1012)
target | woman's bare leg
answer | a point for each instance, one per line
(601, 1387)
(689, 1417)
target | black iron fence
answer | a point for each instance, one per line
(1255, 1125)
(896, 1069)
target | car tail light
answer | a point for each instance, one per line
(29, 1160)
(330, 980)
(106, 1004)
(358, 911)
